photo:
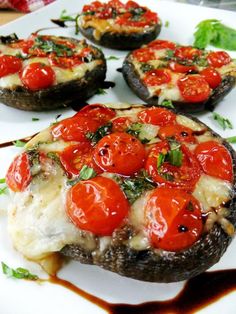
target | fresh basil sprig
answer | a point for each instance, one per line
(213, 32)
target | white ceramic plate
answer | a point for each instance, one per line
(21, 297)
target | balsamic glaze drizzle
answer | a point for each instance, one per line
(197, 293)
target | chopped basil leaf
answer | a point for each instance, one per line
(100, 133)
(19, 143)
(65, 17)
(85, 174)
(54, 157)
(167, 23)
(213, 32)
(3, 180)
(167, 103)
(112, 58)
(35, 119)
(175, 157)
(160, 160)
(169, 53)
(18, 273)
(223, 122)
(135, 187)
(137, 13)
(231, 139)
(3, 190)
(167, 176)
(49, 46)
(101, 91)
(145, 67)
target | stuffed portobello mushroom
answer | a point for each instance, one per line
(147, 193)
(119, 26)
(47, 72)
(193, 79)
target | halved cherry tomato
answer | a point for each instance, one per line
(97, 205)
(215, 160)
(157, 116)
(74, 128)
(157, 77)
(174, 220)
(65, 62)
(119, 153)
(194, 88)
(162, 44)
(36, 76)
(180, 68)
(144, 54)
(147, 18)
(18, 176)
(9, 65)
(120, 124)
(212, 77)
(183, 177)
(179, 132)
(105, 13)
(218, 58)
(97, 112)
(116, 4)
(74, 157)
(187, 52)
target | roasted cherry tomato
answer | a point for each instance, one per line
(218, 58)
(188, 53)
(65, 62)
(162, 44)
(18, 176)
(144, 54)
(179, 132)
(97, 205)
(9, 65)
(157, 116)
(174, 220)
(36, 76)
(97, 112)
(74, 157)
(215, 160)
(120, 124)
(120, 153)
(212, 77)
(74, 128)
(184, 176)
(157, 77)
(194, 88)
(147, 18)
(180, 68)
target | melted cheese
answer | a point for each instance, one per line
(212, 192)
(102, 26)
(38, 223)
(10, 81)
(9, 50)
(189, 123)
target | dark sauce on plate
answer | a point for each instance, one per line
(108, 84)
(197, 293)
(119, 70)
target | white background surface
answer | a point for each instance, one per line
(20, 297)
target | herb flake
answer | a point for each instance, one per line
(86, 173)
(101, 91)
(19, 143)
(222, 121)
(231, 139)
(167, 103)
(35, 119)
(18, 273)
(112, 58)
(100, 133)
